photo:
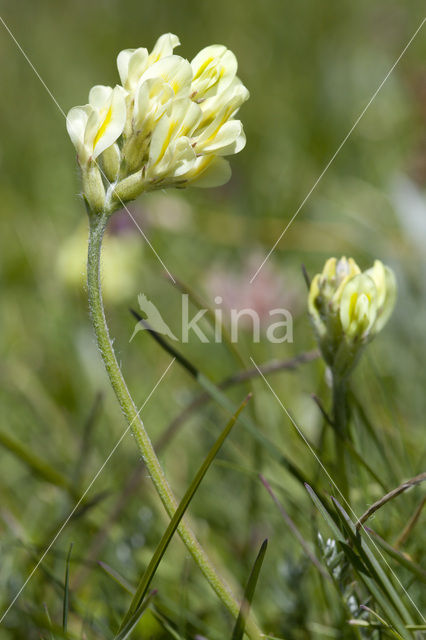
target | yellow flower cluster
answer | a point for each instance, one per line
(169, 123)
(348, 308)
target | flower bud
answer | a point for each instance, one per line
(129, 188)
(93, 187)
(348, 308)
(111, 162)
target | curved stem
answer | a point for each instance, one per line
(97, 228)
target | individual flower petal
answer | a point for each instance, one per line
(345, 269)
(76, 122)
(153, 98)
(231, 98)
(183, 157)
(214, 69)
(181, 121)
(164, 47)
(112, 116)
(209, 171)
(385, 282)
(378, 275)
(174, 70)
(97, 125)
(223, 139)
(178, 159)
(314, 300)
(131, 64)
(358, 306)
(99, 96)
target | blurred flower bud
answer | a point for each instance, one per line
(123, 253)
(348, 308)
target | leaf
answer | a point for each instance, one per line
(379, 577)
(134, 619)
(66, 591)
(113, 573)
(145, 581)
(293, 528)
(325, 514)
(38, 466)
(398, 556)
(166, 624)
(360, 459)
(249, 593)
(49, 620)
(222, 399)
(355, 560)
(382, 622)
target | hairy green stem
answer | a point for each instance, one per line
(340, 421)
(97, 228)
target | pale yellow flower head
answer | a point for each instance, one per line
(170, 123)
(348, 308)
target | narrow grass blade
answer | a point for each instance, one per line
(66, 590)
(293, 528)
(325, 514)
(177, 517)
(409, 527)
(401, 558)
(166, 624)
(36, 464)
(113, 573)
(374, 566)
(86, 439)
(49, 620)
(382, 622)
(416, 627)
(134, 619)
(359, 458)
(90, 503)
(227, 404)
(379, 442)
(249, 593)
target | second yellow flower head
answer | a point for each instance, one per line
(348, 308)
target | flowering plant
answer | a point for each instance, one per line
(169, 124)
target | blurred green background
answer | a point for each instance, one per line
(311, 68)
